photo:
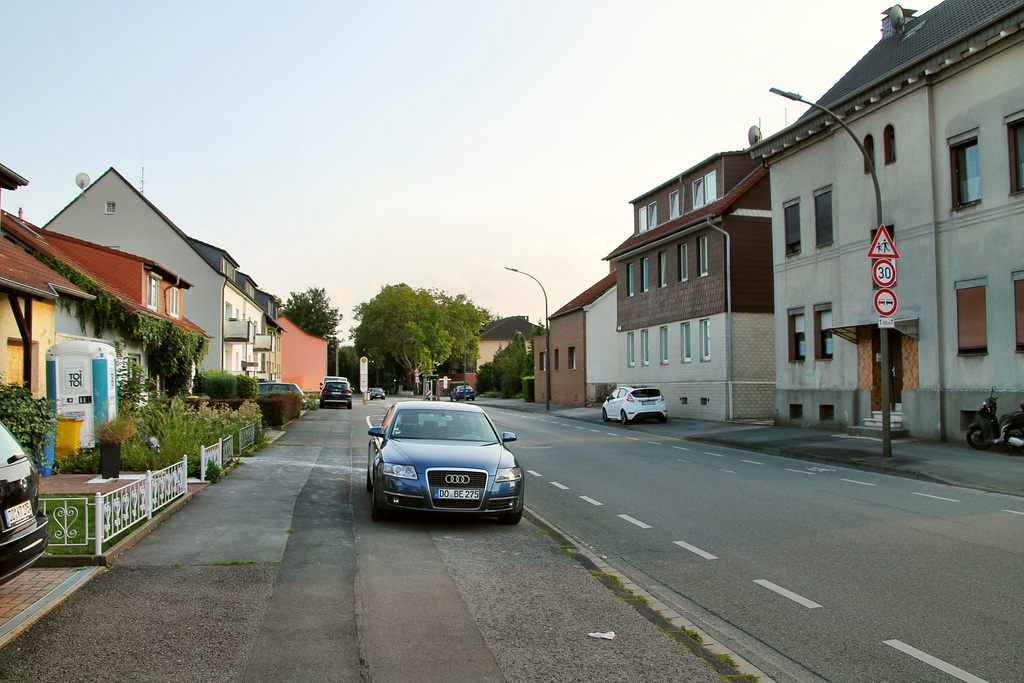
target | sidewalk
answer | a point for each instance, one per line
(951, 463)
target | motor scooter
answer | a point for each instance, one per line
(988, 429)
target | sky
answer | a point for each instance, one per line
(352, 145)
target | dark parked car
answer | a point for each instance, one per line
(463, 392)
(279, 388)
(377, 392)
(23, 526)
(336, 394)
(429, 458)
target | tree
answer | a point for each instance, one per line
(459, 310)
(510, 365)
(312, 311)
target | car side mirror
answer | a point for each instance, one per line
(507, 436)
(376, 432)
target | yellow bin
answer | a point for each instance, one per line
(68, 432)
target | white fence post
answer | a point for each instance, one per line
(149, 494)
(98, 541)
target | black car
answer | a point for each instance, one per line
(23, 527)
(377, 392)
(336, 393)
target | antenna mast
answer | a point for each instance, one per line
(142, 181)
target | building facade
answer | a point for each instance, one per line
(694, 291)
(938, 106)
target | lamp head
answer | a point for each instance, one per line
(788, 95)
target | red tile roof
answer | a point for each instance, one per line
(24, 274)
(716, 208)
(591, 294)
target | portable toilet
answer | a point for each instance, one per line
(81, 381)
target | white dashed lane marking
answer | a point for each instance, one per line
(536, 474)
(800, 471)
(695, 550)
(560, 486)
(635, 521)
(799, 599)
(752, 462)
(591, 500)
(925, 495)
(933, 661)
(862, 483)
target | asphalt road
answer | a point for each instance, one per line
(277, 574)
(810, 572)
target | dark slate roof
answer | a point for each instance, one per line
(715, 208)
(941, 37)
(9, 180)
(506, 328)
(588, 296)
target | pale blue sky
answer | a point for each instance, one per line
(349, 145)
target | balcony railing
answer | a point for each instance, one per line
(264, 342)
(239, 331)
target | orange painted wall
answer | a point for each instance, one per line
(303, 356)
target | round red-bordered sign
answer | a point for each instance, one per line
(885, 302)
(884, 272)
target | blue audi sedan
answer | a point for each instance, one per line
(431, 457)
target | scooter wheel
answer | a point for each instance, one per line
(975, 439)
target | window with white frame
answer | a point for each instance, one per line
(645, 275)
(662, 268)
(664, 345)
(705, 340)
(673, 205)
(173, 298)
(641, 219)
(705, 190)
(683, 264)
(684, 334)
(702, 245)
(645, 347)
(111, 208)
(652, 215)
(153, 294)
(630, 349)
(697, 195)
(630, 280)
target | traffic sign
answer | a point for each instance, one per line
(883, 246)
(885, 302)
(887, 323)
(884, 272)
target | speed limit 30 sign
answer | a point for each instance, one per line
(884, 272)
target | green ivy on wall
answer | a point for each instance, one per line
(172, 350)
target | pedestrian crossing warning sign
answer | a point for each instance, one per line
(883, 246)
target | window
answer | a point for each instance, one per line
(153, 294)
(702, 248)
(173, 297)
(645, 275)
(684, 333)
(791, 218)
(630, 280)
(641, 219)
(797, 335)
(572, 358)
(966, 171)
(645, 347)
(1017, 156)
(556, 361)
(227, 311)
(971, 329)
(673, 205)
(889, 144)
(543, 361)
(664, 345)
(682, 265)
(705, 190)
(652, 215)
(823, 331)
(630, 349)
(823, 217)
(705, 340)
(698, 193)
(1018, 305)
(662, 268)
(869, 147)
(111, 208)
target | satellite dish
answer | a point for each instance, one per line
(896, 18)
(754, 135)
(82, 180)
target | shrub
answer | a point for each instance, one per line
(29, 420)
(118, 430)
(529, 389)
(221, 386)
(199, 384)
(247, 387)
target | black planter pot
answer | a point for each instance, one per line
(110, 460)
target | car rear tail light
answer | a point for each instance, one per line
(629, 397)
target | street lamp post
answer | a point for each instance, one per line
(465, 372)
(883, 332)
(547, 340)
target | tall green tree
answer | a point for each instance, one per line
(312, 311)
(460, 314)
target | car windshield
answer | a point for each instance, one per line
(442, 424)
(647, 393)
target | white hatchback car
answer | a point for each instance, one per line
(633, 403)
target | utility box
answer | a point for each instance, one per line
(81, 381)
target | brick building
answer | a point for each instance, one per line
(694, 291)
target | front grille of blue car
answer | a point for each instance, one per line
(465, 479)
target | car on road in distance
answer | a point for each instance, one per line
(634, 403)
(377, 392)
(427, 457)
(336, 394)
(24, 533)
(462, 392)
(280, 388)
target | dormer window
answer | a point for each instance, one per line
(647, 217)
(173, 302)
(153, 294)
(705, 190)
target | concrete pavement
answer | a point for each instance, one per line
(953, 463)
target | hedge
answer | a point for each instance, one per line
(277, 410)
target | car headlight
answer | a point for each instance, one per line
(508, 474)
(403, 471)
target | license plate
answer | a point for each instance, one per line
(18, 514)
(648, 403)
(457, 494)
